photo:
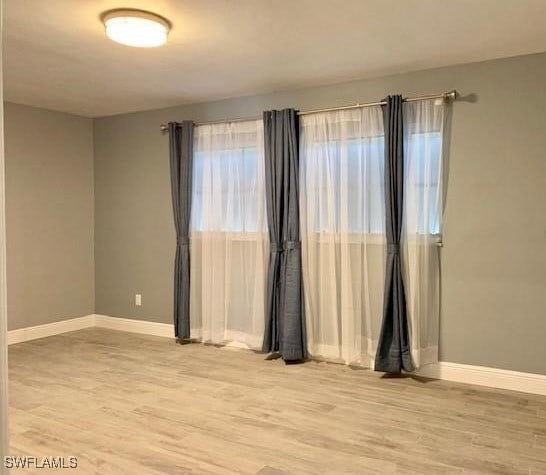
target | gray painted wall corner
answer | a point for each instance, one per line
(50, 215)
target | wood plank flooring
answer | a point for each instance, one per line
(140, 405)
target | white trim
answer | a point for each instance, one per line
(135, 326)
(50, 329)
(485, 376)
(462, 373)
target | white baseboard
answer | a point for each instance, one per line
(135, 326)
(49, 329)
(485, 376)
(461, 373)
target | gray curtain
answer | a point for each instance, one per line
(285, 322)
(181, 158)
(393, 352)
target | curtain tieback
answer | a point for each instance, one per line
(182, 241)
(286, 246)
(393, 248)
(290, 245)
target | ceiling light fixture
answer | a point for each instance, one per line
(136, 27)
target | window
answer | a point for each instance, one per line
(346, 178)
(228, 178)
(348, 165)
(423, 155)
(342, 170)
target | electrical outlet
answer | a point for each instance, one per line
(138, 300)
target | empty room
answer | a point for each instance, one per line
(273, 237)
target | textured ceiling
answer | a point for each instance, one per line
(57, 56)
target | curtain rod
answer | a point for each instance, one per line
(446, 96)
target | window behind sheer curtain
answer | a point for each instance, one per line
(347, 162)
(228, 234)
(239, 211)
(226, 167)
(360, 154)
(423, 152)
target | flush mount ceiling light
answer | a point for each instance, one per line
(136, 28)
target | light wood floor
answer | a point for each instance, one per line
(140, 405)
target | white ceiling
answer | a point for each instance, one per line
(57, 56)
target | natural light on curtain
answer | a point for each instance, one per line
(228, 234)
(343, 236)
(421, 232)
(343, 229)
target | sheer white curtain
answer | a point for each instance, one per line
(343, 232)
(343, 235)
(423, 173)
(228, 234)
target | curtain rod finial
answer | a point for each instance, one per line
(164, 127)
(450, 95)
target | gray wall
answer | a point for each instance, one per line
(50, 208)
(494, 259)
